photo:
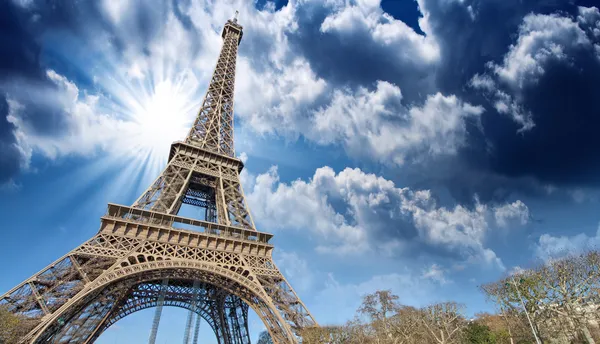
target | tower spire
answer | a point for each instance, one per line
(213, 127)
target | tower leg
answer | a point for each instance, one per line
(191, 314)
(197, 329)
(188, 327)
(158, 312)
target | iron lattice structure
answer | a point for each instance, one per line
(145, 255)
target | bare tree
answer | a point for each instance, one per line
(407, 326)
(380, 308)
(444, 322)
(572, 284)
(560, 296)
(13, 327)
(329, 335)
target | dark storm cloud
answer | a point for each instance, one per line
(19, 59)
(468, 44)
(356, 59)
(563, 147)
(23, 78)
(23, 75)
(19, 51)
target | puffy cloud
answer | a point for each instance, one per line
(275, 100)
(435, 273)
(301, 69)
(552, 247)
(354, 43)
(354, 212)
(366, 18)
(512, 212)
(82, 129)
(590, 18)
(541, 79)
(376, 123)
(541, 39)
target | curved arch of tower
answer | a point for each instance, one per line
(145, 255)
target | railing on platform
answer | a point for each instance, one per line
(142, 216)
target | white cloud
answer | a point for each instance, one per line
(483, 82)
(502, 101)
(84, 128)
(509, 213)
(505, 104)
(301, 205)
(277, 89)
(274, 100)
(367, 17)
(541, 38)
(435, 273)
(550, 247)
(590, 16)
(355, 212)
(243, 157)
(375, 123)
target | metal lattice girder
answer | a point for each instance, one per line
(213, 128)
(122, 268)
(190, 168)
(50, 288)
(237, 320)
(145, 246)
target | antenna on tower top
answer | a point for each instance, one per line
(235, 17)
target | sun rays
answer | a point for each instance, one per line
(148, 100)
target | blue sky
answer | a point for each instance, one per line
(421, 146)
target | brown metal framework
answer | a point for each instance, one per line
(146, 255)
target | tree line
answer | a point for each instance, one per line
(556, 302)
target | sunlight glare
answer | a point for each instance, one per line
(163, 118)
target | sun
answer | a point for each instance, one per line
(163, 118)
(162, 113)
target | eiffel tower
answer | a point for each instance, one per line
(145, 255)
